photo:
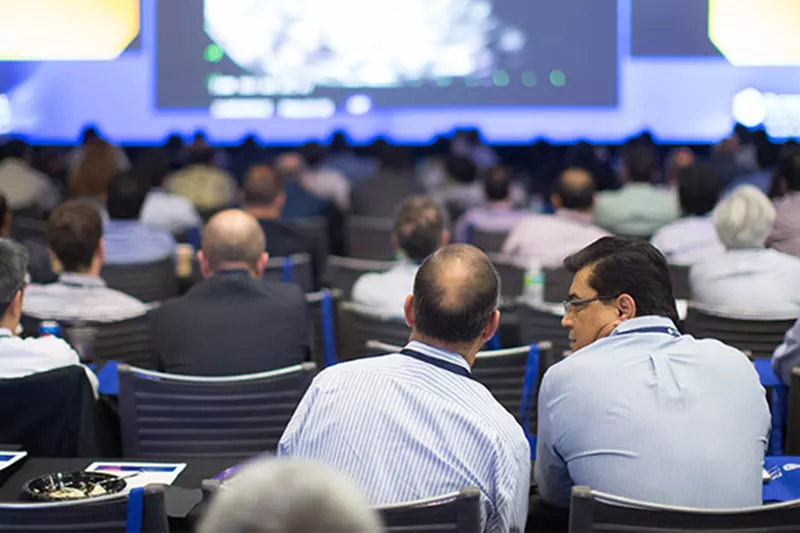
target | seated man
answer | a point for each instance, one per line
(639, 410)
(205, 185)
(747, 280)
(264, 198)
(497, 214)
(787, 355)
(75, 236)
(233, 322)
(416, 424)
(30, 356)
(420, 227)
(162, 210)
(128, 240)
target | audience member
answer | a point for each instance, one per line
(39, 264)
(678, 160)
(22, 185)
(91, 136)
(381, 195)
(416, 424)
(343, 158)
(30, 356)
(639, 208)
(233, 322)
(299, 203)
(164, 211)
(548, 239)
(693, 238)
(637, 396)
(467, 143)
(205, 185)
(787, 355)
(75, 236)
(88, 179)
(748, 280)
(461, 190)
(785, 235)
(264, 198)
(284, 496)
(420, 227)
(766, 158)
(127, 239)
(325, 183)
(498, 214)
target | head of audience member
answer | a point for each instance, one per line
(454, 304)
(90, 135)
(16, 149)
(497, 186)
(788, 174)
(126, 194)
(314, 154)
(395, 158)
(201, 156)
(290, 166)
(678, 160)
(290, 496)
(263, 194)
(698, 189)
(339, 143)
(744, 218)
(574, 191)
(420, 228)
(74, 235)
(461, 169)
(154, 166)
(615, 280)
(89, 179)
(13, 272)
(639, 163)
(232, 240)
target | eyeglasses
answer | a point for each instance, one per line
(577, 304)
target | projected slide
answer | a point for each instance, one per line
(311, 58)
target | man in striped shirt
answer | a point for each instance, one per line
(415, 424)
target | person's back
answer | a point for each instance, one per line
(497, 214)
(381, 195)
(162, 210)
(23, 186)
(299, 202)
(785, 235)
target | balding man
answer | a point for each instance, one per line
(233, 322)
(548, 239)
(416, 424)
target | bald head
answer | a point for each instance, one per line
(574, 190)
(233, 239)
(262, 186)
(455, 295)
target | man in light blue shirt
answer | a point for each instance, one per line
(787, 355)
(416, 424)
(127, 239)
(639, 410)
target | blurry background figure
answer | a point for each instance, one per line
(677, 160)
(300, 203)
(325, 183)
(91, 136)
(162, 210)
(461, 189)
(343, 158)
(381, 195)
(88, 178)
(497, 214)
(40, 266)
(467, 143)
(206, 186)
(286, 496)
(785, 236)
(23, 186)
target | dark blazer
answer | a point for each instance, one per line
(231, 324)
(284, 240)
(380, 196)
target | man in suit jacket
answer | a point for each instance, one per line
(233, 322)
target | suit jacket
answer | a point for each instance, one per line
(381, 196)
(283, 240)
(231, 324)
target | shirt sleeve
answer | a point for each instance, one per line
(787, 355)
(551, 473)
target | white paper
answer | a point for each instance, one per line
(157, 473)
(9, 458)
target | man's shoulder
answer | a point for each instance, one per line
(48, 345)
(285, 292)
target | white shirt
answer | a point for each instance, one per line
(759, 283)
(328, 184)
(22, 357)
(23, 186)
(688, 240)
(385, 292)
(169, 212)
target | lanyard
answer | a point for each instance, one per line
(653, 329)
(444, 365)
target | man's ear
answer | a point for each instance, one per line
(626, 306)
(262, 264)
(408, 311)
(204, 270)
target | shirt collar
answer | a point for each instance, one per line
(81, 280)
(5, 332)
(641, 322)
(438, 353)
(577, 216)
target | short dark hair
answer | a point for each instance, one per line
(154, 165)
(262, 185)
(461, 168)
(418, 227)
(73, 233)
(578, 197)
(126, 194)
(698, 189)
(13, 268)
(16, 148)
(640, 162)
(201, 156)
(789, 170)
(455, 314)
(496, 185)
(313, 153)
(626, 266)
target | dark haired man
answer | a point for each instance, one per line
(416, 424)
(639, 410)
(497, 213)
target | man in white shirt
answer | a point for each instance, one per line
(420, 228)
(162, 210)
(20, 357)
(23, 186)
(324, 183)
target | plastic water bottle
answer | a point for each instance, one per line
(49, 327)
(534, 283)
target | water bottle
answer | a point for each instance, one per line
(49, 327)
(534, 282)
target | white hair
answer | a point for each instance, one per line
(277, 495)
(744, 219)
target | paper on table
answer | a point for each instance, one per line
(158, 473)
(9, 458)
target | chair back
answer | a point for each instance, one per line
(491, 242)
(557, 282)
(317, 229)
(343, 272)
(28, 229)
(793, 418)
(149, 282)
(323, 309)
(293, 269)
(512, 276)
(591, 511)
(759, 337)
(103, 514)
(539, 323)
(369, 238)
(458, 512)
(679, 275)
(357, 326)
(126, 341)
(167, 416)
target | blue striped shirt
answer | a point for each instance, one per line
(405, 429)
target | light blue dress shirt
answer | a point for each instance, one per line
(405, 429)
(163, 211)
(787, 355)
(130, 241)
(651, 415)
(637, 209)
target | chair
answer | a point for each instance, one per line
(557, 282)
(343, 272)
(512, 277)
(25, 229)
(793, 426)
(542, 322)
(680, 282)
(357, 326)
(458, 512)
(369, 238)
(145, 508)
(126, 341)
(491, 242)
(149, 282)
(172, 417)
(592, 511)
(293, 269)
(317, 229)
(759, 337)
(323, 311)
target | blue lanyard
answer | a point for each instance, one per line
(653, 329)
(444, 365)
